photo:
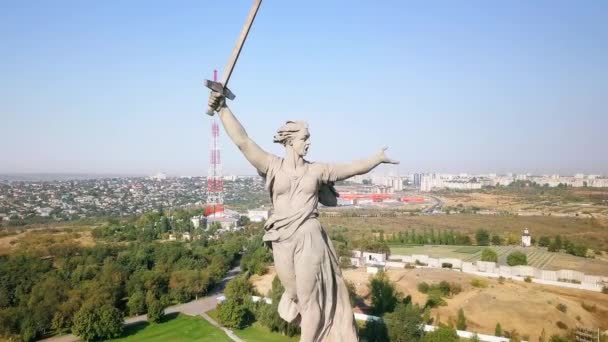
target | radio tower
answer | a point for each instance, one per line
(215, 186)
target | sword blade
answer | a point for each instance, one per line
(236, 51)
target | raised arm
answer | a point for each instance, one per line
(359, 167)
(254, 154)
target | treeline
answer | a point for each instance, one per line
(88, 290)
(427, 236)
(557, 244)
(149, 226)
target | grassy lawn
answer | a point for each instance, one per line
(257, 332)
(468, 249)
(175, 328)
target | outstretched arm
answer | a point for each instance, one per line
(254, 154)
(359, 167)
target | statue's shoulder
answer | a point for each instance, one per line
(315, 166)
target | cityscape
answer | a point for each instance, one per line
(127, 196)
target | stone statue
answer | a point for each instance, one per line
(304, 257)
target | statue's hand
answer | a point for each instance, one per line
(384, 159)
(217, 101)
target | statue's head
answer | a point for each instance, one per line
(295, 135)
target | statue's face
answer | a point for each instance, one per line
(301, 142)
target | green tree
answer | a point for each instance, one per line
(374, 331)
(156, 307)
(461, 324)
(268, 315)
(255, 261)
(233, 314)
(405, 324)
(489, 254)
(441, 334)
(137, 303)
(156, 310)
(482, 237)
(95, 323)
(239, 289)
(63, 319)
(517, 258)
(384, 296)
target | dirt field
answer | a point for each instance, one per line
(576, 200)
(516, 305)
(42, 238)
(592, 231)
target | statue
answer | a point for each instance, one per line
(304, 257)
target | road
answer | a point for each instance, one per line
(437, 206)
(193, 308)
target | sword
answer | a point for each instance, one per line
(221, 87)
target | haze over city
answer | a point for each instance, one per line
(453, 87)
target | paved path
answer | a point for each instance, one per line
(193, 308)
(228, 332)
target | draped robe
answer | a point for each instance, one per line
(305, 259)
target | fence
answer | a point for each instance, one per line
(563, 278)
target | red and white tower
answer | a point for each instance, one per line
(215, 186)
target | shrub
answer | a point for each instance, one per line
(562, 307)
(498, 330)
(517, 258)
(605, 289)
(419, 263)
(558, 338)
(489, 254)
(544, 241)
(588, 307)
(528, 279)
(445, 288)
(423, 287)
(441, 334)
(561, 325)
(435, 300)
(446, 265)
(478, 282)
(455, 288)
(501, 280)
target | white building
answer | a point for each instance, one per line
(258, 215)
(360, 258)
(186, 236)
(159, 176)
(226, 223)
(526, 239)
(197, 221)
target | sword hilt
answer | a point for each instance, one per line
(218, 88)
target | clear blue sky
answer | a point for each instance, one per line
(450, 86)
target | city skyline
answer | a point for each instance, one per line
(477, 87)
